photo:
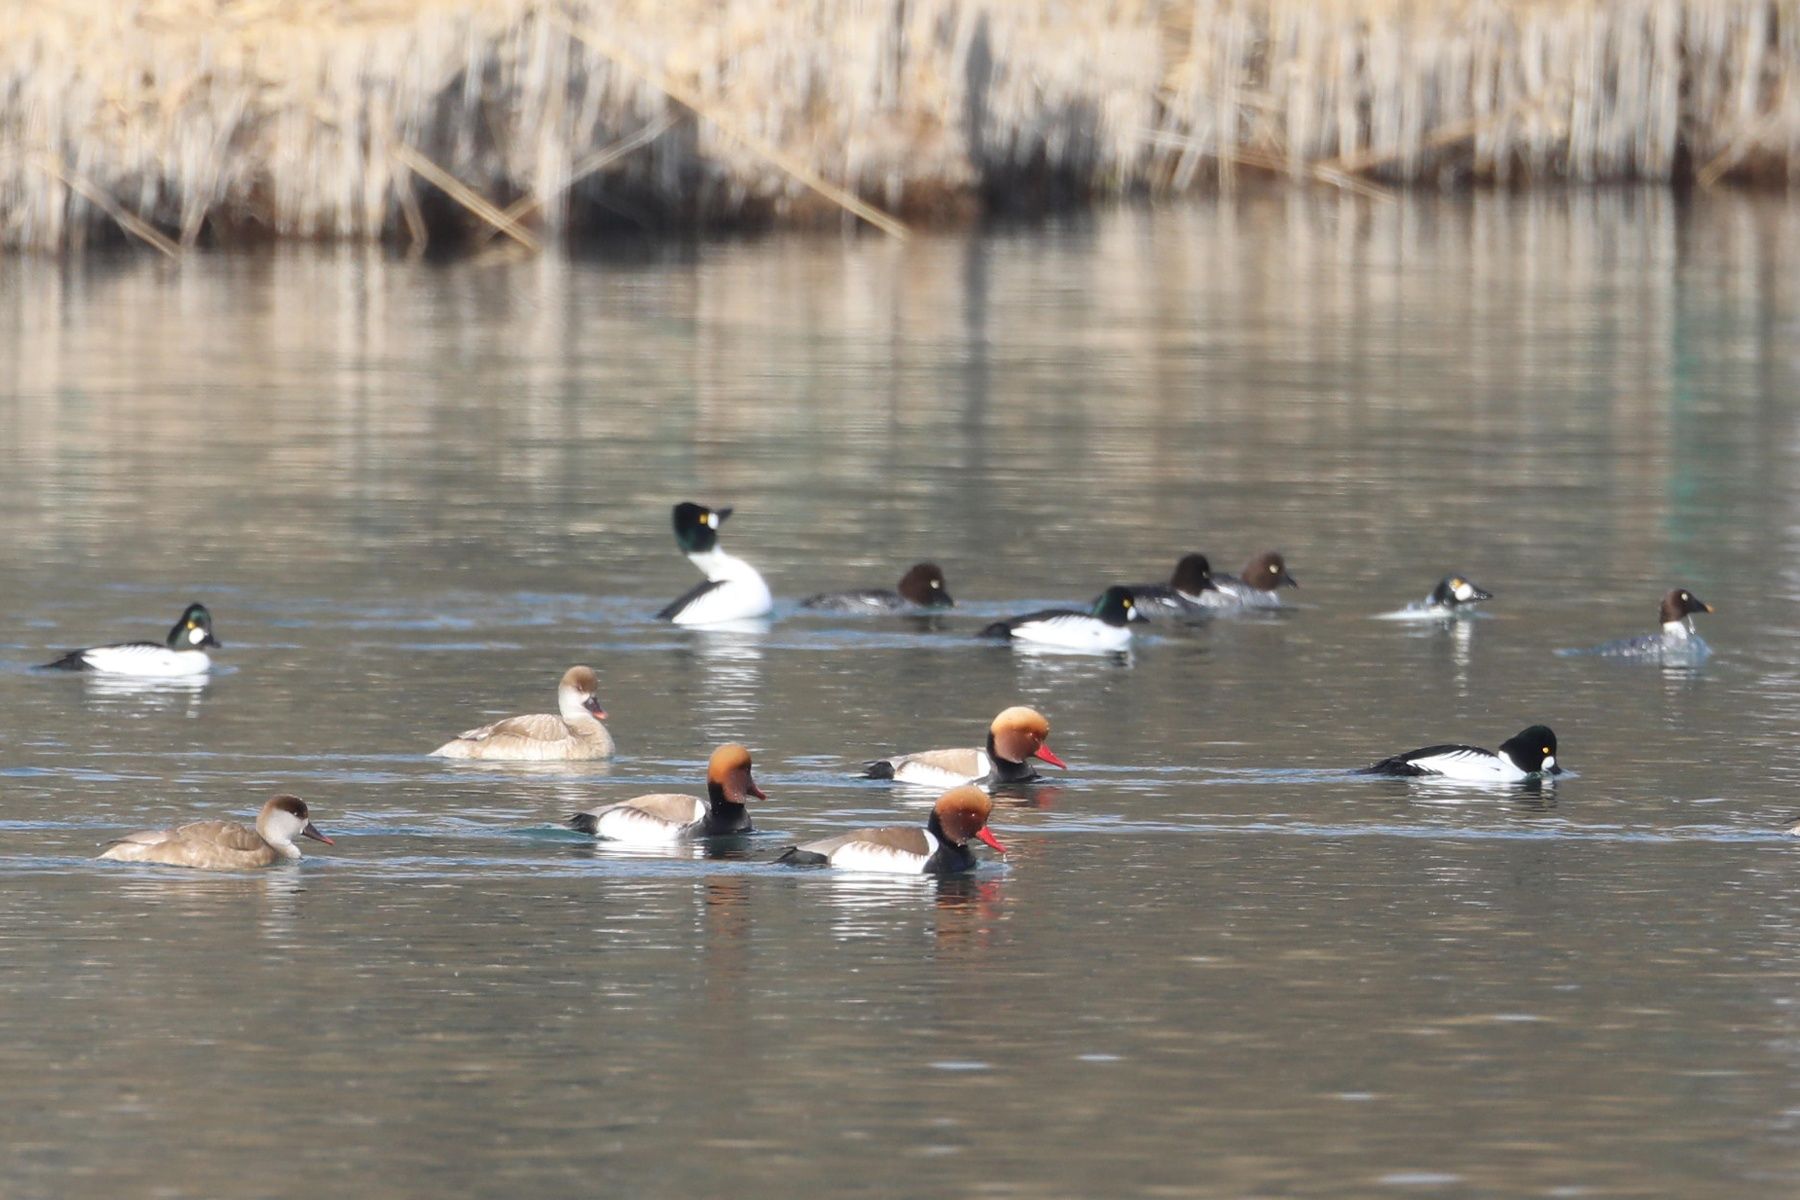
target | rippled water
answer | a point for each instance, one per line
(1213, 964)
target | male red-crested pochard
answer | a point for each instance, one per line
(1258, 587)
(668, 817)
(573, 733)
(1015, 737)
(224, 845)
(182, 653)
(922, 586)
(733, 589)
(940, 848)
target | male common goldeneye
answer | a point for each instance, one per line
(1184, 594)
(183, 652)
(1528, 754)
(1677, 642)
(1104, 627)
(1256, 588)
(733, 590)
(1015, 737)
(921, 587)
(663, 817)
(1454, 596)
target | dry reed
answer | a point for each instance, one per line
(171, 119)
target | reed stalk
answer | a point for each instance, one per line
(170, 121)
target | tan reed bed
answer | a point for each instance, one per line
(527, 119)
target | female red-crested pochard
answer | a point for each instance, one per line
(666, 817)
(1016, 736)
(573, 733)
(224, 845)
(940, 848)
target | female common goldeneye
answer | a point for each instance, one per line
(1528, 754)
(183, 652)
(1677, 642)
(1104, 627)
(1454, 596)
(1256, 588)
(732, 591)
(573, 733)
(921, 587)
(1015, 737)
(1184, 594)
(224, 845)
(940, 848)
(662, 817)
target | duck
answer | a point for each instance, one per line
(574, 733)
(922, 586)
(940, 848)
(1103, 628)
(183, 652)
(732, 591)
(1454, 596)
(224, 845)
(1258, 587)
(1677, 642)
(1183, 595)
(1528, 754)
(661, 818)
(1014, 737)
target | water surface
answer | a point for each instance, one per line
(1213, 964)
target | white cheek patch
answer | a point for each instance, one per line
(196, 635)
(1464, 592)
(1549, 762)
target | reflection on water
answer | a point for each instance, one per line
(123, 695)
(1213, 962)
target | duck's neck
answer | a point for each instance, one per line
(719, 566)
(1005, 770)
(576, 716)
(723, 814)
(1679, 630)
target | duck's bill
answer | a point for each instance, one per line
(987, 835)
(1049, 756)
(312, 831)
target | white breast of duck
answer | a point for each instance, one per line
(734, 591)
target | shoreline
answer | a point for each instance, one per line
(180, 123)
